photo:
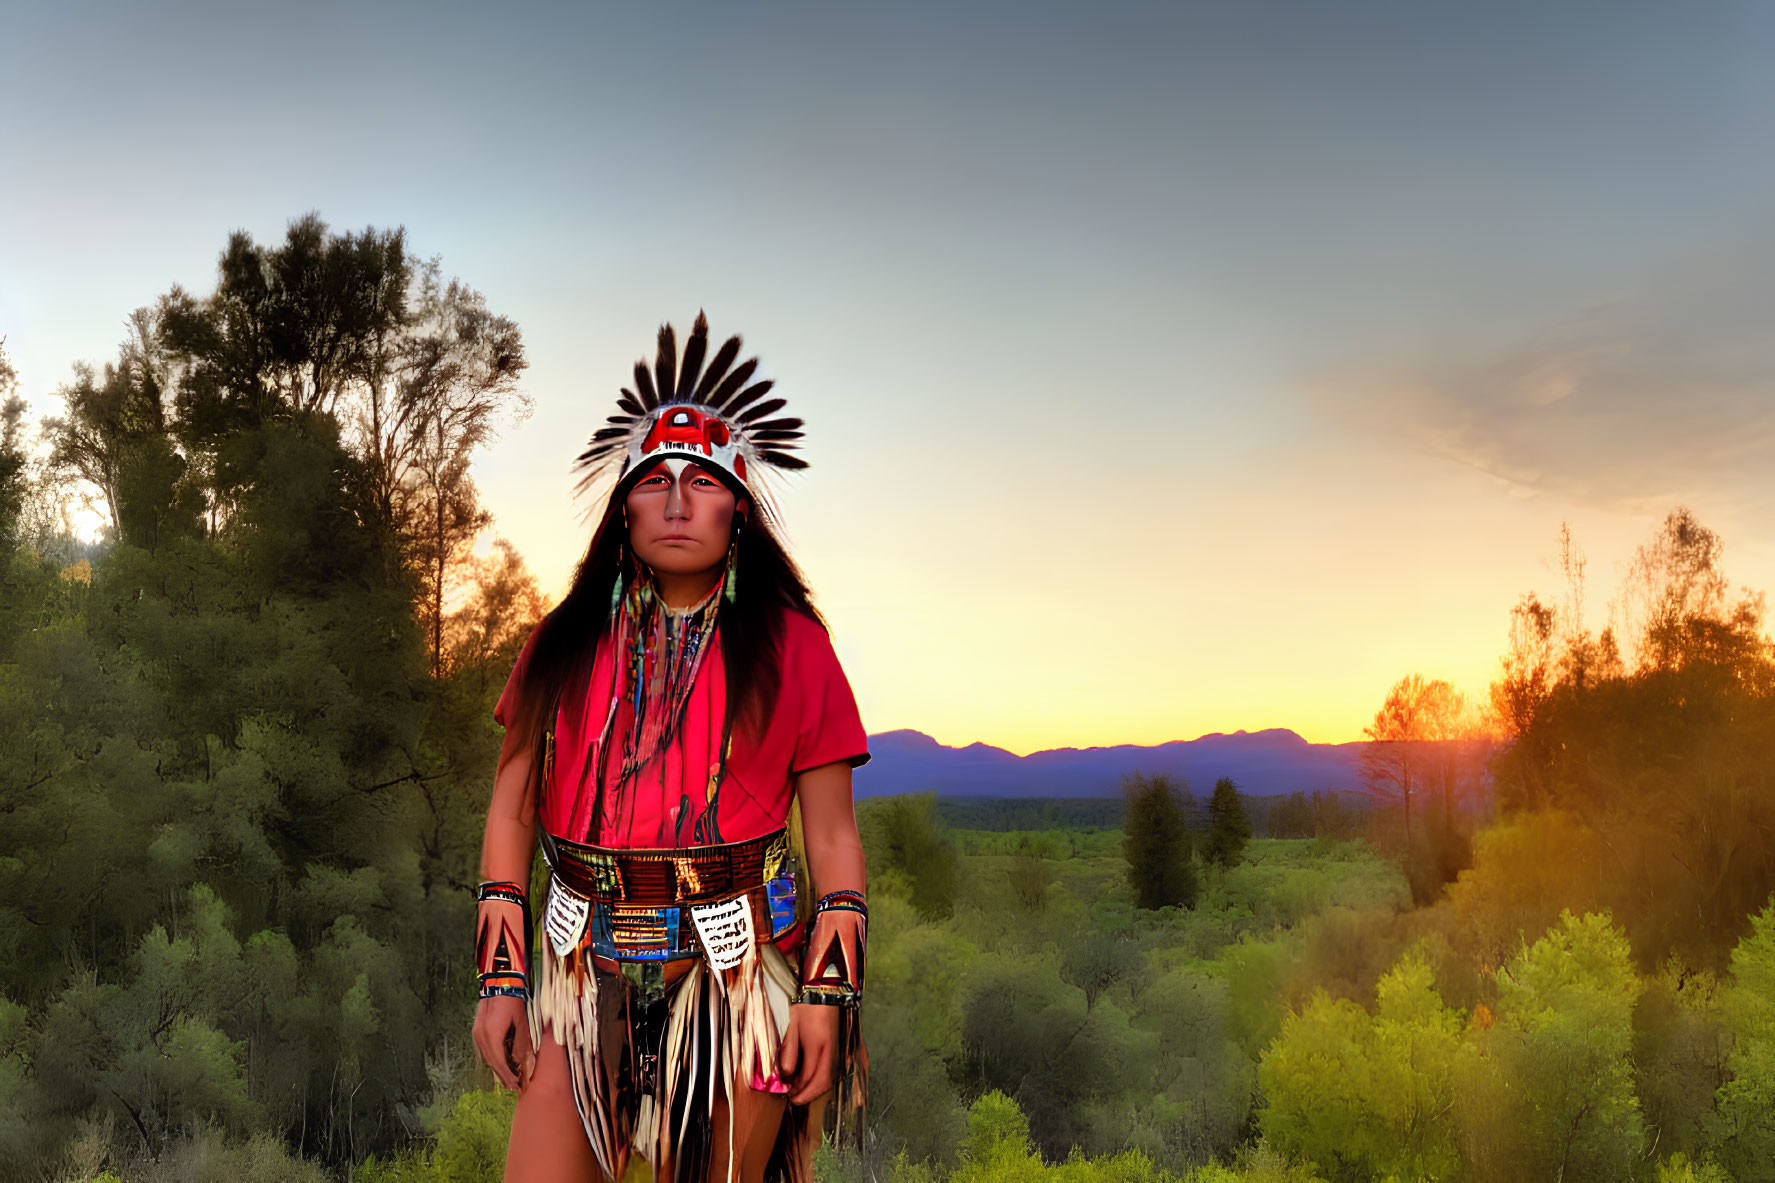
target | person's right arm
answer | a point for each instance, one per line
(502, 1030)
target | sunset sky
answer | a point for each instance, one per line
(1167, 369)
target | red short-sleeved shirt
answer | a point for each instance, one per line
(813, 722)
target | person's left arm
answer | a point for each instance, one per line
(835, 863)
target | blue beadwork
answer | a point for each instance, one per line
(781, 893)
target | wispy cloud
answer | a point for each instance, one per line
(1660, 394)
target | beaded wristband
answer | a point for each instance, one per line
(501, 951)
(832, 971)
(843, 901)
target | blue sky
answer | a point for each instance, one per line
(1167, 368)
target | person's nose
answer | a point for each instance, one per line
(676, 506)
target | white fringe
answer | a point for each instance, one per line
(747, 1015)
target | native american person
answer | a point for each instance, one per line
(679, 741)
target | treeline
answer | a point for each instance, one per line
(1320, 813)
(248, 735)
(1030, 813)
(1323, 813)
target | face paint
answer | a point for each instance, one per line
(675, 495)
(673, 467)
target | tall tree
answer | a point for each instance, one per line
(458, 372)
(12, 453)
(1529, 666)
(414, 368)
(1662, 763)
(230, 731)
(1228, 827)
(114, 436)
(290, 328)
(1402, 759)
(1676, 604)
(1156, 843)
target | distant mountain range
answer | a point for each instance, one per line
(1262, 763)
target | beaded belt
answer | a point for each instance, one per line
(637, 904)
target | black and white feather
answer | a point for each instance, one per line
(720, 387)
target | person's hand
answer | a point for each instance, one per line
(805, 1061)
(502, 1036)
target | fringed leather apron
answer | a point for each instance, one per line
(668, 975)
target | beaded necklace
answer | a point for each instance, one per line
(662, 659)
(658, 662)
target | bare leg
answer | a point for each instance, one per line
(756, 1118)
(548, 1143)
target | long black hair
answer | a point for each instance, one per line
(768, 582)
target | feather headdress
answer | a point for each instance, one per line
(713, 414)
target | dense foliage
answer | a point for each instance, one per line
(247, 771)
(1228, 827)
(1110, 1027)
(1157, 841)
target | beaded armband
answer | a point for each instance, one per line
(832, 970)
(502, 939)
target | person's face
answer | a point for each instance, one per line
(680, 517)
